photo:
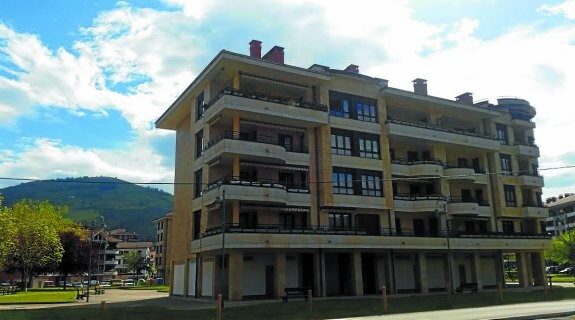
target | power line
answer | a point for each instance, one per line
(502, 173)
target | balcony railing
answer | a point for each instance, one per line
(267, 183)
(416, 162)
(300, 103)
(467, 132)
(533, 204)
(467, 200)
(234, 135)
(354, 231)
(418, 197)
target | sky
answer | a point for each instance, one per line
(82, 82)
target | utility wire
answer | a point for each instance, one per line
(438, 177)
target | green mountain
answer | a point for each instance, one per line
(122, 204)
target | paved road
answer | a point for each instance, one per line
(513, 311)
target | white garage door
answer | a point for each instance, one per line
(207, 276)
(192, 279)
(178, 284)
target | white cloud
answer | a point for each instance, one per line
(49, 159)
(566, 8)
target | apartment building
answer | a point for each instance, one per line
(162, 225)
(561, 214)
(143, 248)
(332, 180)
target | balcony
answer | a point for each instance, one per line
(112, 252)
(418, 168)
(261, 190)
(532, 209)
(467, 207)
(313, 237)
(111, 262)
(359, 201)
(264, 106)
(436, 133)
(259, 148)
(526, 149)
(416, 203)
(461, 172)
(530, 179)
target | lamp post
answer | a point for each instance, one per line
(223, 261)
(443, 205)
(90, 257)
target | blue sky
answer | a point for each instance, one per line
(82, 82)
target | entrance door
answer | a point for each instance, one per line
(462, 274)
(368, 272)
(307, 270)
(270, 281)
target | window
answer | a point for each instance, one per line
(200, 106)
(196, 225)
(339, 104)
(412, 156)
(198, 184)
(286, 141)
(371, 185)
(287, 220)
(248, 219)
(342, 182)
(339, 221)
(506, 168)
(199, 143)
(368, 148)
(510, 200)
(501, 133)
(508, 227)
(352, 107)
(340, 144)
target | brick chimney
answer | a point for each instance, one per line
(276, 54)
(352, 68)
(256, 49)
(420, 86)
(465, 98)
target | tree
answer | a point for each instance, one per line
(563, 249)
(136, 262)
(37, 237)
(76, 254)
(7, 234)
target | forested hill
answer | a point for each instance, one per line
(123, 205)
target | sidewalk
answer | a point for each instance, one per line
(538, 310)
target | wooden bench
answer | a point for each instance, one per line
(99, 290)
(294, 293)
(471, 286)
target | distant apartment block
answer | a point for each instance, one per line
(335, 181)
(162, 225)
(561, 214)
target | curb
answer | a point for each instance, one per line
(539, 316)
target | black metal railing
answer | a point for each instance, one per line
(234, 135)
(300, 103)
(267, 183)
(384, 232)
(416, 162)
(423, 125)
(418, 197)
(525, 143)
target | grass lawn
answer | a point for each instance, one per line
(333, 308)
(39, 296)
(158, 288)
(563, 278)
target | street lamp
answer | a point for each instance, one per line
(442, 204)
(223, 261)
(90, 258)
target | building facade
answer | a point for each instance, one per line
(561, 214)
(334, 181)
(162, 225)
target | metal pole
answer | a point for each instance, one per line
(90, 263)
(222, 273)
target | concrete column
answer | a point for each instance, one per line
(235, 267)
(357, 276)
(319, 274)
(186, 277)
(421, 276)
(389, 273)
(529, 264)
(392, 220)
(313, 186)
(476, 270)
(452, 280)
(538, 262)
(236, 122)
(522, 269)
(236, 212)
(280, 276)
(499, 269)
(236, 166)
(236, 80)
